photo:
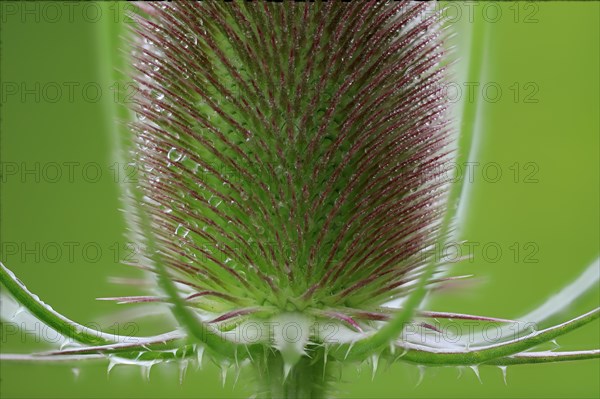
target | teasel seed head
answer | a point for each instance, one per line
(292, 154)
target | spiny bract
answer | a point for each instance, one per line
(292, 154)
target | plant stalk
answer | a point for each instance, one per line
(309, 378)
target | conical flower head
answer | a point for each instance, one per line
(292, 154)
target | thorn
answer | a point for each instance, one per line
(183, 365)
(111, 365)
(392, 348)
(199, 355)
(287, 367)
(404, 352)
(146, 372)
(374, 363)
(249, 354)
(172, 352)
(19, 310)
(503, 369)
(460, 372)
(476, 371)
(388, 363)
(223, 375)
(421, 375)
(326, 352)
(64, 344)
(349, 349)
(238, 371)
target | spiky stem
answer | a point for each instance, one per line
(309, 378)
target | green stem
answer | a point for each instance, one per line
(309, 378)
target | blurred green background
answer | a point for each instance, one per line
(539, 127)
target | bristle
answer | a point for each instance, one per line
(291, 153)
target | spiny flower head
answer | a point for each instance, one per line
(292, 152)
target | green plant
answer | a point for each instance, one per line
(172, 147)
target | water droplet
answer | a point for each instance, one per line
(174, 155)
(192, 38)
(181, 231)
(214, 201)
(148, 167)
